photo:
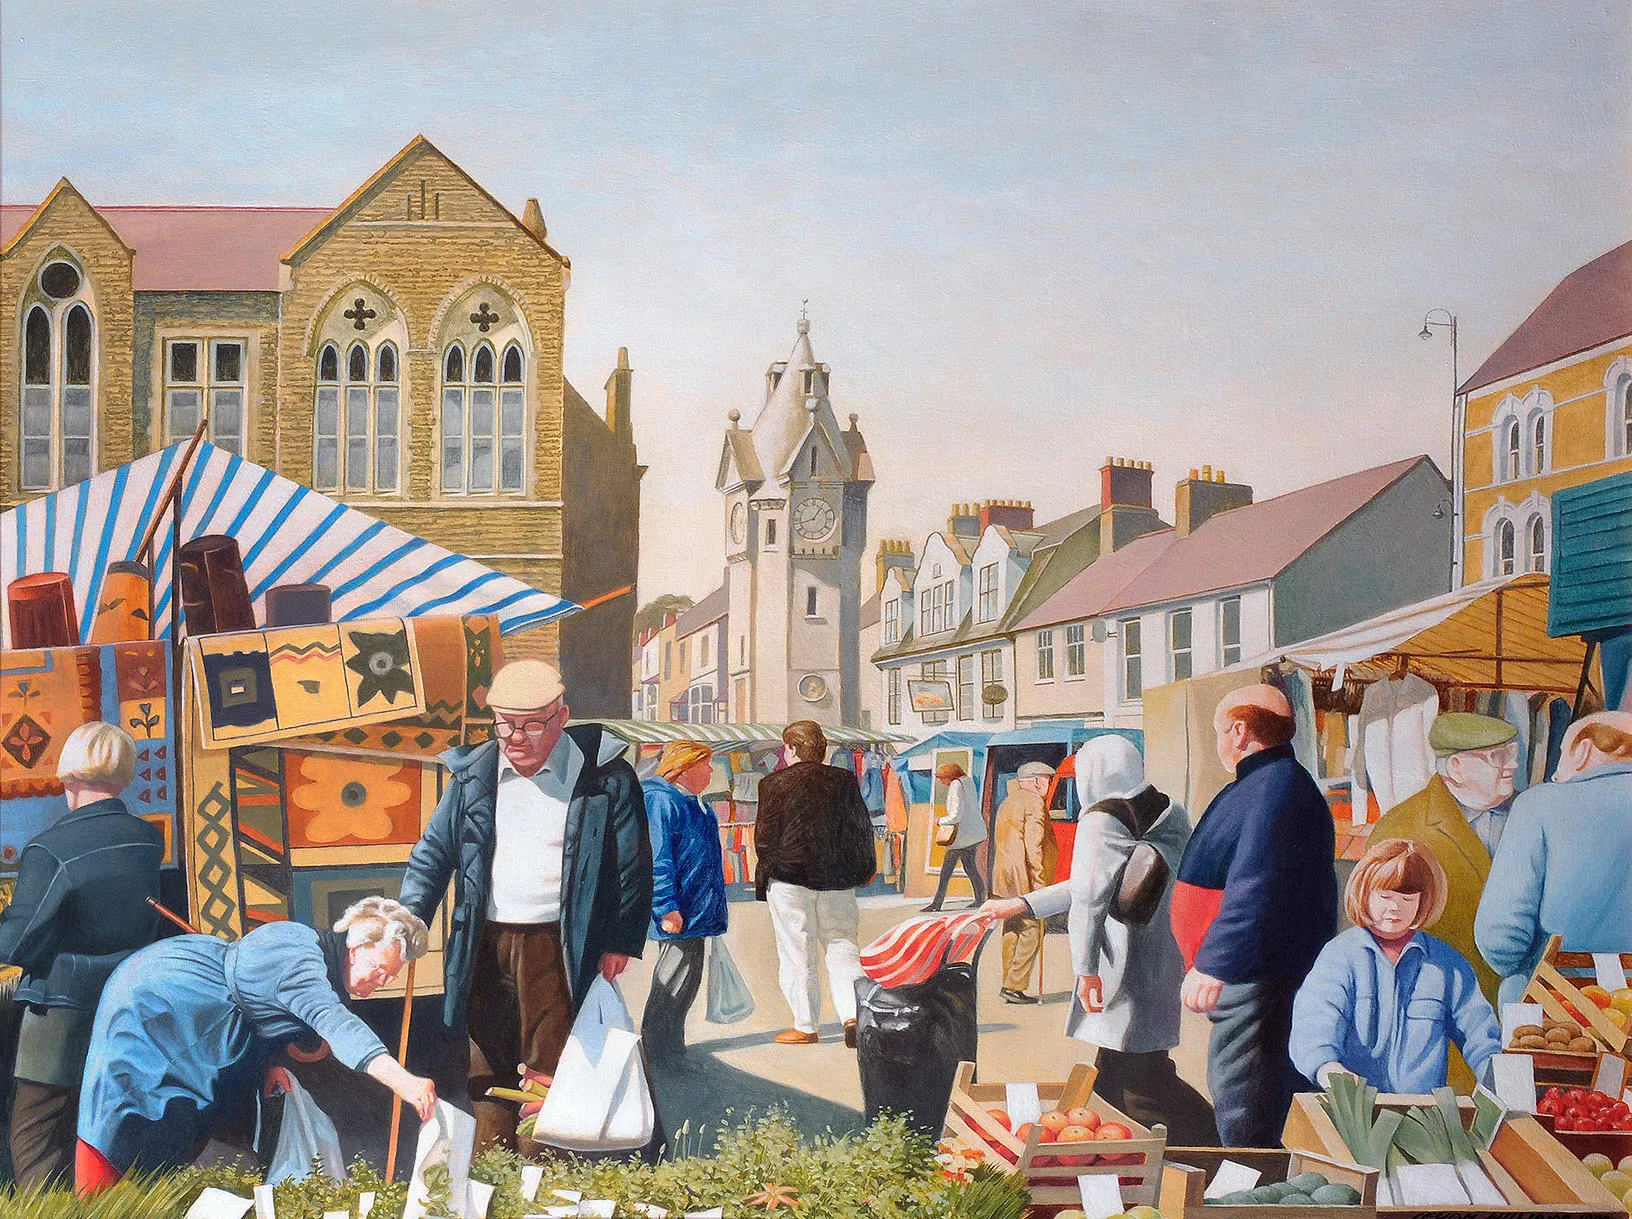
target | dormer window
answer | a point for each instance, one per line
(808, 384)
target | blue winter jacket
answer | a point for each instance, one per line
(1267, 841)
(1390, 1024)
(688, 865)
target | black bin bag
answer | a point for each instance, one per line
(910, 1040)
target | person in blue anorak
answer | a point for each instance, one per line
(187, 1026)
(1385, 999)
(688, 893)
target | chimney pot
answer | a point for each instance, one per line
(1219, 477)
(1206, 474)
(1194, 474)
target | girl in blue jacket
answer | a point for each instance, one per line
(1385, 999)
(688, 893)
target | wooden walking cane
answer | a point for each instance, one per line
(402, 1057)
(174, 918)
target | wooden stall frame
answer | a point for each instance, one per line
(1534, 1171)
(1184, 1187)
(968, 1123)
(1550, 986)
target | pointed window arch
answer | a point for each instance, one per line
(357, 426)
(1536, 536)
(1538, 444)
(1506, 562)
(1624, 401)
(57, 411)
(483, 420)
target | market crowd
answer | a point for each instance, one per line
(560, 866)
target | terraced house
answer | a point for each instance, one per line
(401, 352)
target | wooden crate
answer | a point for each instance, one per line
(1184, 1183)
(1138, 1160)
(1559, 978)
(1533, 1170)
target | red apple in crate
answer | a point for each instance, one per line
(1075, 1134)
(1083, 1116)
(1001, 1118)
(1111, 1131)
(1023, 1132)
(1054, 1120)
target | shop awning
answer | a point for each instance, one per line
(1061, 734)
(649, 732)
(1486, 636)
(287, 534)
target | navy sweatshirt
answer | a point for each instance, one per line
(1265, 847)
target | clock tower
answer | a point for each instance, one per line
(795, 488)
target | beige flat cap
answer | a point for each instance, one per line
(525, 685)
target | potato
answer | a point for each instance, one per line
(1582, 1045)
(1529, 1030)
(1531, 1043)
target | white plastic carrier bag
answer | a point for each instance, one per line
(599, 1100)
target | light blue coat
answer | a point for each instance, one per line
(1562, 868)
(1390, 1024)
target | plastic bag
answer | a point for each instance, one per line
(910, 1040)
(599, 1100)
(305, 1134)
(729, 999)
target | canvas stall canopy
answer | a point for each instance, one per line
(286, 534)
(1479, 645)
(649, 732)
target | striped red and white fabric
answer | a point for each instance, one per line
(912, 952)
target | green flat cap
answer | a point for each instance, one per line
(1459, 731)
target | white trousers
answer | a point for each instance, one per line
(806, 922)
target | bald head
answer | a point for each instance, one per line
(1250, 719)
(1597, 740)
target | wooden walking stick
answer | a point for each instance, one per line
(402, 1057)
(174, 918)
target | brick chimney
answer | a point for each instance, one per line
(532, 219)
(1125, 482)
(1125, 508)
(618, 387)
(1006, 513)
(1204, 495)
(893, 554)
(964, 521)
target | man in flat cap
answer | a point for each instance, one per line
(1024, 856)
(1461, 816)
(543, 833)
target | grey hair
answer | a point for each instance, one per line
(383, 918)
(98, 753)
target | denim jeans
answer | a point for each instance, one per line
(1249, 1068)
(966, 857)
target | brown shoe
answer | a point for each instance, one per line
(795, 1037)
(849, 1034)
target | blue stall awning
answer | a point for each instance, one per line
(287, 534)
(1062, 734)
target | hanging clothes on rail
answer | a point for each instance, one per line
(1392, 755)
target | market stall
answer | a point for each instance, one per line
(291, 768)
(1483, 648)
(746, 753)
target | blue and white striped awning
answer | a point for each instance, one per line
(287, 534)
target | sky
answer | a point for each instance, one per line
(1030, 235)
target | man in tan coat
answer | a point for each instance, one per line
(1460, 816)
(1024, 854)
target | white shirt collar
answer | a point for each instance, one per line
(559, 766)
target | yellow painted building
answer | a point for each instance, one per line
(1551, 408)
(401, 352)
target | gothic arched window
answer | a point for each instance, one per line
(57, 424)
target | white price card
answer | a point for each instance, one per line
(1610, 1077)
(219, 1204)
(1433, 1185)
(1232, 1178)
(478, 1197)
(532, 1176)
(1024, 1104)
(1611, 973)
(365, 1204)
(716, 1212)
(649, 1209)
(345, 1214)
(265, 1208)
(597, 1208)
(1513, 1079)
(1516, 1015)
(1101, 1195)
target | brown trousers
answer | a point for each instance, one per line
(43, 1121)
(1022, 945)
(520, 1011)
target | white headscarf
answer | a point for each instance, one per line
(1109, 767)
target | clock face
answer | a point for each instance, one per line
(814, 519)
(739, 524)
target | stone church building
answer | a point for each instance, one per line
(401, 352)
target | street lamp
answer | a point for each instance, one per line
(1431, 323)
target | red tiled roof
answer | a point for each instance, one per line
(1256, 543)
(199, 249)
(1094, 587)
(1591, 306)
